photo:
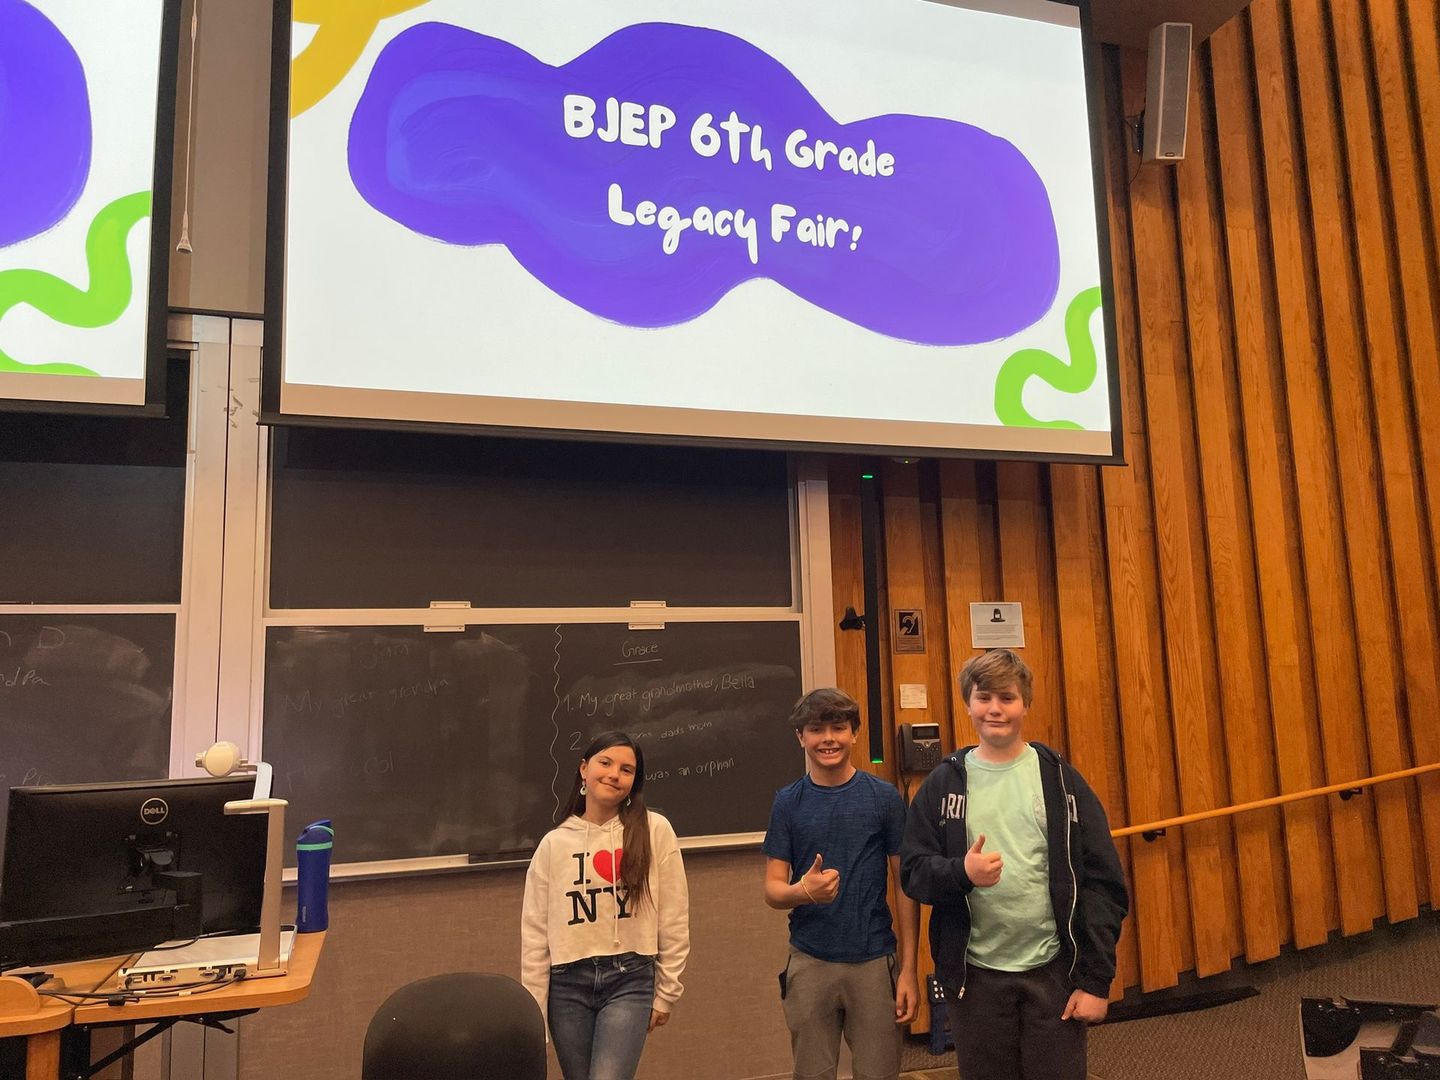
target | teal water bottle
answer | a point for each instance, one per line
(312, 876)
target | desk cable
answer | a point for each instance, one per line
(125, 997)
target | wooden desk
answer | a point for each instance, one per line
(252, 993)
(40, 1020)
(24, 1013)
(43, 1021)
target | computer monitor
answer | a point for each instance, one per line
(91, 869)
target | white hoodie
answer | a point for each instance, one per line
(570, 910)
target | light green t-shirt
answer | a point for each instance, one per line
(1012, 923)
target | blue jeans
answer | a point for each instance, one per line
(600, 1015)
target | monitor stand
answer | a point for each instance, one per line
(60, 939)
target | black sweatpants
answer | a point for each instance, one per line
(1007, 1026)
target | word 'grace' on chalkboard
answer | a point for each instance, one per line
(84, 698)
(421, 744)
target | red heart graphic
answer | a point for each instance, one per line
(604, 866)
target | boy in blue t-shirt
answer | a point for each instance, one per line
(833, 836)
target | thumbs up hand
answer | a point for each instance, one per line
(820, 885)
(982, 867)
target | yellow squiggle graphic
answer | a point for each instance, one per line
(345, 29)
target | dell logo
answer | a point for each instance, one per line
(154, 811)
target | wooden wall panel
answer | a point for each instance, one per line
(1236, 636)
(1422, 22)
(1084, 649)
(1351, 431)
(1390, 310)
(1075, 504)
(1326, 582)
(1172, 490)
(1028, 578)
(1144, 729)
(1405, 152)
(1419, 283)
(1407, 535)
(989, 499)
(1270, 483)
(1248, 605)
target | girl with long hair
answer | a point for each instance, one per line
(605, 927)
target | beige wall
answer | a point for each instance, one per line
(386, 933)
(226, 270)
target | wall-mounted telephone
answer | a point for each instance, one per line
(919, 747)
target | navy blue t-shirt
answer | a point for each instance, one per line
(853, 827)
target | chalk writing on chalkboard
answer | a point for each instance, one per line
(467, 744)
(84, 698)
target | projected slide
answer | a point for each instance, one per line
(851, 222)
(78, 93)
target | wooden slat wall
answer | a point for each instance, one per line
(1249, 605)
(1245, 736)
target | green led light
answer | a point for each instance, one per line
(877, 761)
(867, 476)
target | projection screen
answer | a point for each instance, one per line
(820, 223)
(87, 107)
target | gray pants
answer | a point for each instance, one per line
(823, 999)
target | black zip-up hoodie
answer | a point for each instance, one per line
(1087, 886)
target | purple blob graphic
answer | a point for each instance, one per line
(463, 138)
(44, 123)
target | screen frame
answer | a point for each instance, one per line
(157, 345)
(272, 363)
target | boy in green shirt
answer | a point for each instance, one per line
(1011, 847)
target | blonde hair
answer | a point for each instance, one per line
(995, 670)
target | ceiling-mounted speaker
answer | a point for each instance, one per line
(1167, 92)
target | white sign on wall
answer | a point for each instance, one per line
(996, 626)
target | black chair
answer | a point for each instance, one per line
(465, 1026)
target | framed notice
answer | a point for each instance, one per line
(996, 626)
(909, 636)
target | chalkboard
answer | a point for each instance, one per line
(84, 698)
(94, 506)
(423, 744)
(371, 519)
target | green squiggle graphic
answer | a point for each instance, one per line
(1071, 378)
(110, 282)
